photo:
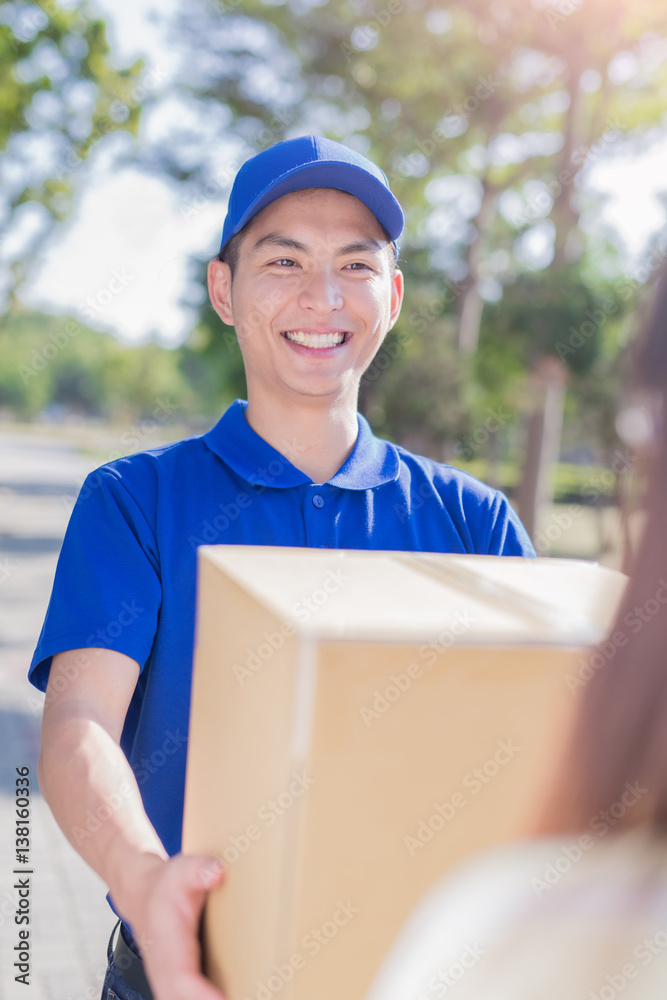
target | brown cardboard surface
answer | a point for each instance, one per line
(360, 722)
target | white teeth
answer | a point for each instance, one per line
(315, 339)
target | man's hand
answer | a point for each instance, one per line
(166, 925)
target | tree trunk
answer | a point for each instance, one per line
(545, 425)
(471, 305)
(492, 475)
(565, 217)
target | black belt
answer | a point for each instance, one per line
(130, 965)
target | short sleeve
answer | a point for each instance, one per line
(507, 535)
(107, 588)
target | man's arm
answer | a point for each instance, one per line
(83, 771)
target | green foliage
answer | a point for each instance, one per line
(412, 391)
(552, 312)
(476, 113)
(583, 484)
(49, 361)
(211, 358)
(57, 82)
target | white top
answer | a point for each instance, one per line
(581, 917)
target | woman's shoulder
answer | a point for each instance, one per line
(515, 877)
(571, 894)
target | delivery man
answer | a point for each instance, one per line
(307, 275)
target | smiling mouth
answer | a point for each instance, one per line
(316, 340)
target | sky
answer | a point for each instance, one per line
(120, 263)
(126, 222)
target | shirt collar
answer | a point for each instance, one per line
(372, 462)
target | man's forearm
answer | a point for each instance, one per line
(92, 792)
(89, 785)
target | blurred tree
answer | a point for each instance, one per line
(511, 103)
(485, 116)
(59, 95)
(50, 361)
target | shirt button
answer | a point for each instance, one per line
(318, 501)
(323, 546)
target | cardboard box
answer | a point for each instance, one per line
(360, 722)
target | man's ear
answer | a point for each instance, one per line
(396, 297)
(220, 290)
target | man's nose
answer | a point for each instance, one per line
(321, 290)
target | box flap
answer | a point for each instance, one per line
(392, 596)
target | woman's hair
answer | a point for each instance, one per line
(619, 735)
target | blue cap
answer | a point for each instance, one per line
(306, 162)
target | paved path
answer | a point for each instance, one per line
(71, 920)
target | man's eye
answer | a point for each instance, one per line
(356, 265)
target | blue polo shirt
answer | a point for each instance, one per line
(126, 573)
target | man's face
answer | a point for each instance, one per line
(312, 262)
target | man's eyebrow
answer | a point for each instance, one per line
(278, 240)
